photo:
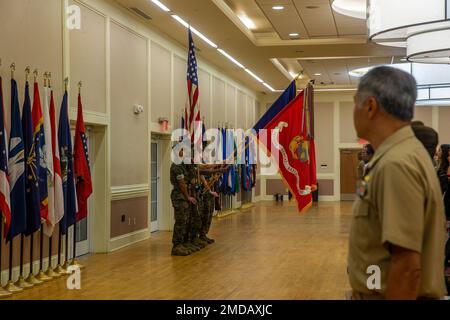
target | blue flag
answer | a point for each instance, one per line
(287, 96)
(31, 175)
(65, 149)
(16, 164)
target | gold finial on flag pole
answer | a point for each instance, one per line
(49, 79)
(35, 73)
(45, 78)
(13, 68)
(80, 84)
(27, 73)
(66, 83)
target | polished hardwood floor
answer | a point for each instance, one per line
(268, 252)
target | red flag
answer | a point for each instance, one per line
(291, 146)
(81, 165)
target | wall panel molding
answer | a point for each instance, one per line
(129, 191)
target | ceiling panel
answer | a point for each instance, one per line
(284, 21)
(317, 16)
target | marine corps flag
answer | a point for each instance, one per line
(290, 140)
(81, 165)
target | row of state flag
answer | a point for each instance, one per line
(43, 180)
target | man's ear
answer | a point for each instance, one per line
(372, 107)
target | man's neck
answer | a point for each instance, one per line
(385, 131)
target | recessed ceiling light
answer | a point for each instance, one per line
(269, 87)
(161, 5)
(247, 22)
(278, 7)
(317, 74)
(294, 34)
(254, 75)
(195, 31)
(231, 58)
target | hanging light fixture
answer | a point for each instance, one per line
(352, 8)
(423, 27)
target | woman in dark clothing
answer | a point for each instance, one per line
(444, 176)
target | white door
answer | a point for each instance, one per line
(155, 185)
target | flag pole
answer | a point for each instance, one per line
(31, 278)
(10, 286)
(59, 268)
(41, 275)
(66, 244)
(74, 256)
(21, 283)
(3, 293)
(50, 272)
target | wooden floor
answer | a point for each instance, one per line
(269, 252)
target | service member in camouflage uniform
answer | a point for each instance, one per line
(181, 202)
(195, 223)
(207, 209)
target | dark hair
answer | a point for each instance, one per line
(417, 123)
(369, 149)
(395, 91)
(428, 136)
(444, 164)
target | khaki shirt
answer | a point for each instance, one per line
(400, 204)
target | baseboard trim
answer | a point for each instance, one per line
(328, 198)
(26, 268)
(128, 239)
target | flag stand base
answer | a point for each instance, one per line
(76, 263)
(4, 294)
(32, 279)
(21, 283)
(52, 274)
(12, 288)
(43, 277)
(60, 270)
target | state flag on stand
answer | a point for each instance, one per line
(67, 173)
(48, 156)
(31, 175)
(39, 140)
(4, 182)
(81, 165)
(16, 167)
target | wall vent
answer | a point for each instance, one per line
(141, 13)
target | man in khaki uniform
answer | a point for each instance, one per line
(397, 237)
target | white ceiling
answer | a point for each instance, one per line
(328, 41)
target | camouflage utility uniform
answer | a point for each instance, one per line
(206, 213)
(195, 221)
(182, 209)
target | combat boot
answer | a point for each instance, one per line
(199, 242)
(180, 250)
(205, 238)
(191, 247)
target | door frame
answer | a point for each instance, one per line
(154, 225)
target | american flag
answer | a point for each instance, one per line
(193, 92)
(4, 181)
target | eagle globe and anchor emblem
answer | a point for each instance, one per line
(299, 148)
